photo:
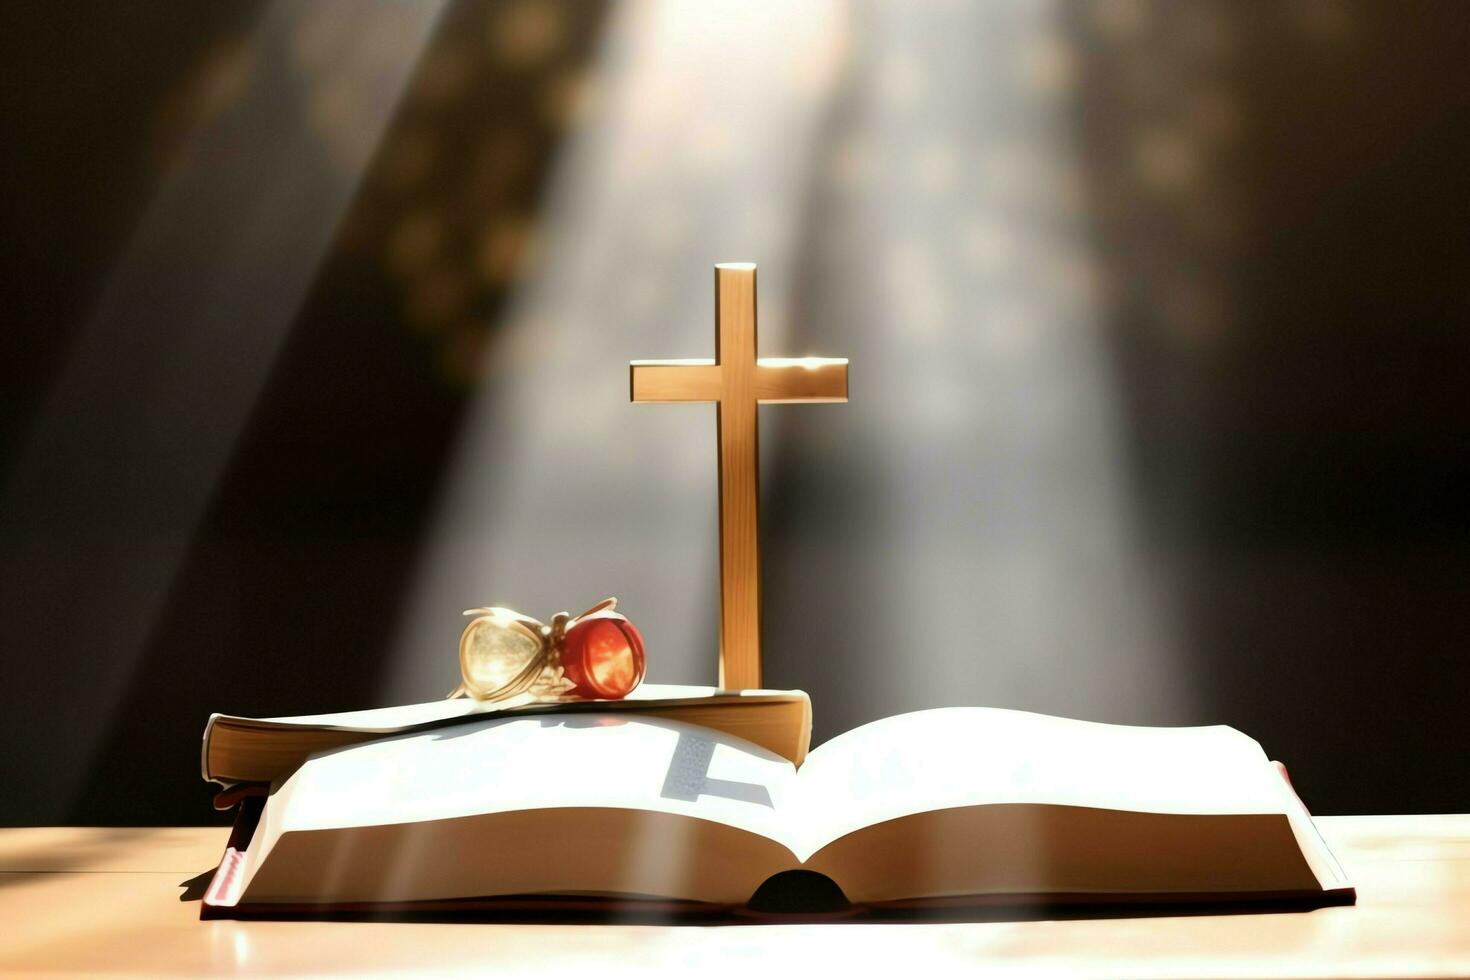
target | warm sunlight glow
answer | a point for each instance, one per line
(809, 363)
(913, 202)
(128, 450)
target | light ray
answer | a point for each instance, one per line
(558, 493)
(961, 531)
(101, 507)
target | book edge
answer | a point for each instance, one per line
(225, 888)
(564, 707)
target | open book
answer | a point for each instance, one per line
(947, 806)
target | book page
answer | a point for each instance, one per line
(954, 757)
(510, 764)
(590, 803)
(411, 715)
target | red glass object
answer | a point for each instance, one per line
(602, 655)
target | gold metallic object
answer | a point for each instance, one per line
(736, 381)
(504, 654)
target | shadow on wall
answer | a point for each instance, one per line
(1280, 211)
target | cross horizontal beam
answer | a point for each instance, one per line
(777, 380)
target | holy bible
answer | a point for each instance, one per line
(258, 750)
(608, 809)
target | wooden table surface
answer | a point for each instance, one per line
(101, 901)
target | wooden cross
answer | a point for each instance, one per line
(736, 381)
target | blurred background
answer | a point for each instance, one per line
(317, 318)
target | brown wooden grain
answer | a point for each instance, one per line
(737, 381)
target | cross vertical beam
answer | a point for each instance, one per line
(737, 381)
(740, 578)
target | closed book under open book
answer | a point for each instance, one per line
(951, 806)
(250, 750)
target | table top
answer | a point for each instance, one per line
(104, 901)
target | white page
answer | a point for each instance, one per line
(949, 757)
(406, 715)
(497, 765)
